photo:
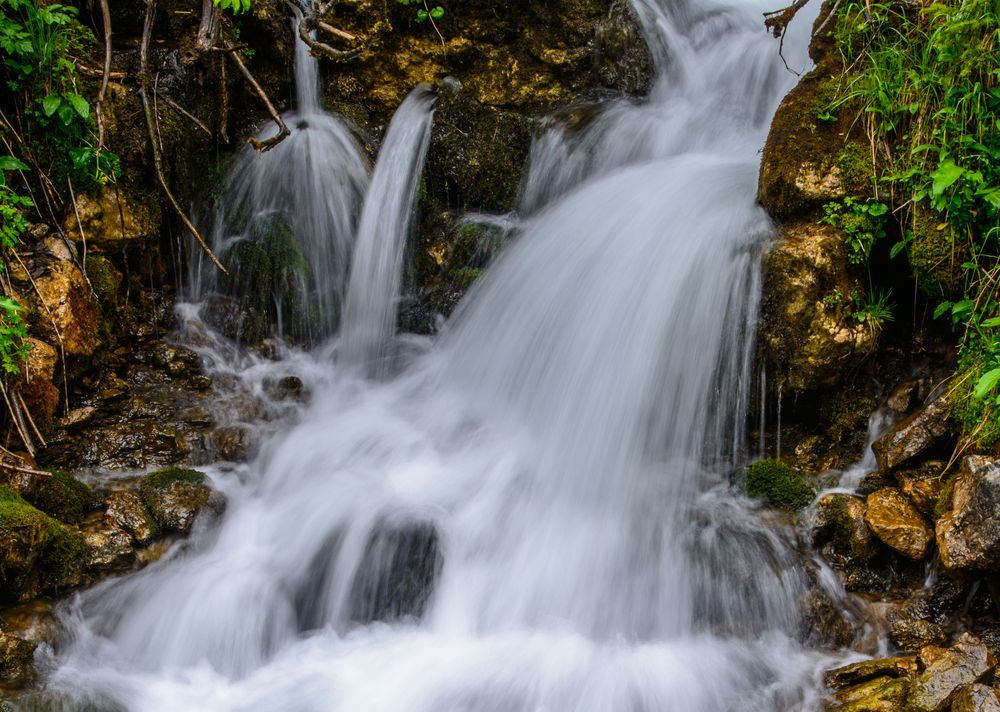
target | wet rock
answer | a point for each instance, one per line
(911, 634)
(109, 547)
(60, 495)
(826, 620)
(840, 522)
(39, 553)
(232, 442)
(923, 485)
(881, 694)
(808, 338)
(175, 496)
(945, 670)
(912, 436)
(287, 388)
(17, 660)
(778, 484)
(400, 565)
(70, 309)
(78, 417)
(894, 520)
(113, 217)
(127, 511)
(976, 698)
(968, 536)
(869, 669)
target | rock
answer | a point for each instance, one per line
(78, 416)
(912, 436)
(869, 669)
(945, 670)
(38, 389)
(17, 660)
(127, 511)
(911, 634)
(840, 521)
(881, 694)
(60, 495)
(39, 553)
(975, 698)
(113, 217)
(109, 547)
(778, 484)
(70, 308)
(923, 485)
(232, 442)
(809, 340)
(968, 536)
(175, 496)
(894, 520)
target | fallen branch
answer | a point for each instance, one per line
(151, 126)
(283, 131)
(777, 21)
(184, 112)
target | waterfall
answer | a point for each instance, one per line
(372, 293)
(285, 222)
(535, 512)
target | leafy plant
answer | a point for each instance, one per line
(863, 222)
(234, 6)
(13, 333)
(424, 11)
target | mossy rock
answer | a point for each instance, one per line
(936, 255)
(175, 496)
(778, 484)
(106, 279)
(62, 496)
(39, 553)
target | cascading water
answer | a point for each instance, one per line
(373, 291)
(535, 513)
(286, 219)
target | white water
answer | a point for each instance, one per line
(373, 290)
(311, 183)
(556, 465)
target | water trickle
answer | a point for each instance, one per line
(285, 223)
(534, 513)
(373, 290)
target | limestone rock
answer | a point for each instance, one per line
(923, 485)
(913, 435)
(910, 633)
(111, 218)
(975, 698)
(894, 520)
(870, 669)
(175, 496)
(127, 511)
(109, 547)
(840, 521)
(810, 342)
(881, 694)
(70, 308)
(968, 536)
(945, 671)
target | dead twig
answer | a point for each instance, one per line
(15, 415)
(105, 76)
(283, 131)
(184, 112)
(31, 421)
(151, 126)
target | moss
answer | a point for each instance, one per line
(936, 256)
(943, 504)
(105, 279)
(61, 496)
(38, 551)
(856, 168)
(778, 484)
(160, 479)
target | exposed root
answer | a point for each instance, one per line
(283, 131)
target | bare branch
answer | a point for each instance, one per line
(283, 131)
(106, 74)
(777, 21)
(184, 112)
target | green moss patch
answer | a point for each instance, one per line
(778, 484)
(62, 496)
(160, 479)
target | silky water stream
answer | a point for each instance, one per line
(533, 512)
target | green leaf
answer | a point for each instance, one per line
(942, 309)
(876, 209)
(896, 249)
(51, 103)
(9, 163)
(986, 383)
(437, 12)
(946, 174)
(421, 15)
(66, 113)
(79, 104)
(990, 323)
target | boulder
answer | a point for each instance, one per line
(840, 522)
(910, 633)
(175, 496)
(17, 660)
(880, 694)
(914, 435)
(869, 669)
(923, 485)
(968, 536)
(127, 511)
(975, 698)
(70, 314)
(894, 520)
(112, 218)
(109, 547)
(945, 671)
(809, 339)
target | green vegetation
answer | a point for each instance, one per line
(928, 80)
(424, 11)
(163, 478)
(234, 6)
(61, 496)
(778, 484)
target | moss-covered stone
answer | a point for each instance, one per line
(175, 496)
(39, 553)
(62, 496)
(162, 478)
(105, 278)
(778, 484)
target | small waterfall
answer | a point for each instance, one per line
(373, 290)
(534, 513)
(285, 223)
